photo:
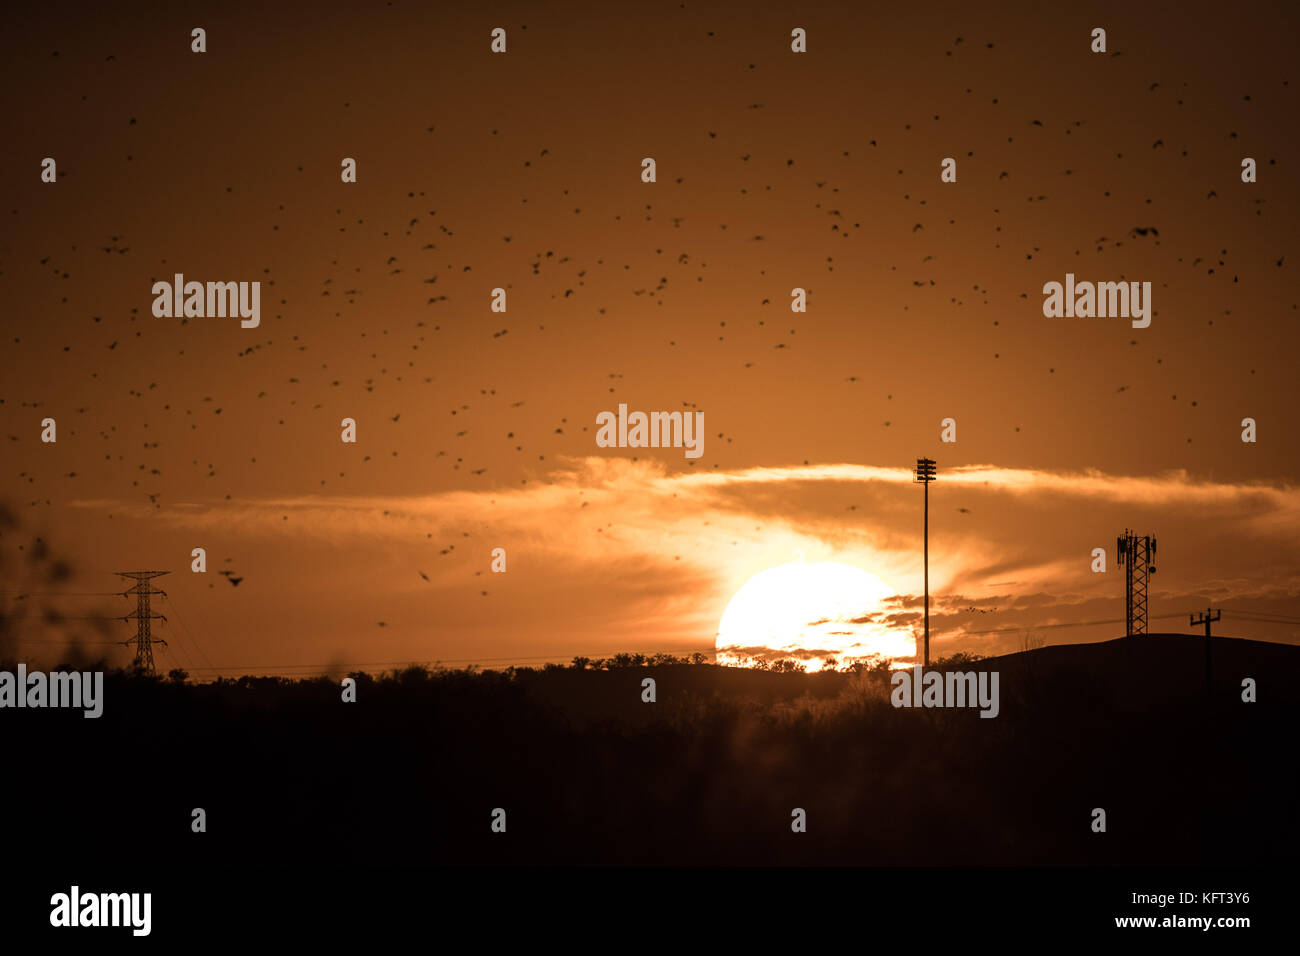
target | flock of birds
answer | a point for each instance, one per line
(425, 249)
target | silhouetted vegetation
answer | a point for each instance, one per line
(709, 773)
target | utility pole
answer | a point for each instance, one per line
(1210, 615)
(1137, 554)
(926, 472)
(144, 640)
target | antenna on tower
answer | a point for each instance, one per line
(1137, 553)
(143, 640)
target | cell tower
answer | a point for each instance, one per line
(144, 641)
(1137, 554)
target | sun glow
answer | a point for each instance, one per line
(811, 611)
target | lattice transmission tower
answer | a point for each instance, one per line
(143, 640)
(1137, 553)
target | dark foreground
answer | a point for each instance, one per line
(709, 774)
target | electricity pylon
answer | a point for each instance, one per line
(144, 641)
(1137, 554)
(926, 472)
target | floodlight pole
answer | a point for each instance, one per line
(926, 473)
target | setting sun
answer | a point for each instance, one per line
(809, 612)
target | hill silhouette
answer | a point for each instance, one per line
(708, 774)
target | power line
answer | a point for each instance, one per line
(193, 640)
(89, 643)
(336, 665)
(307, 669)
(57, 618)
(408, 663)
(180, 645)
(1043, 627)
(23, 594)
(1257, 615)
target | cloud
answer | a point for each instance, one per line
(638, 492)
(674, 546)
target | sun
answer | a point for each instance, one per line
(808, 612)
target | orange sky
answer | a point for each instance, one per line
(522, 171)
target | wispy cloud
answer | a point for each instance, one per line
(1009, 547)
